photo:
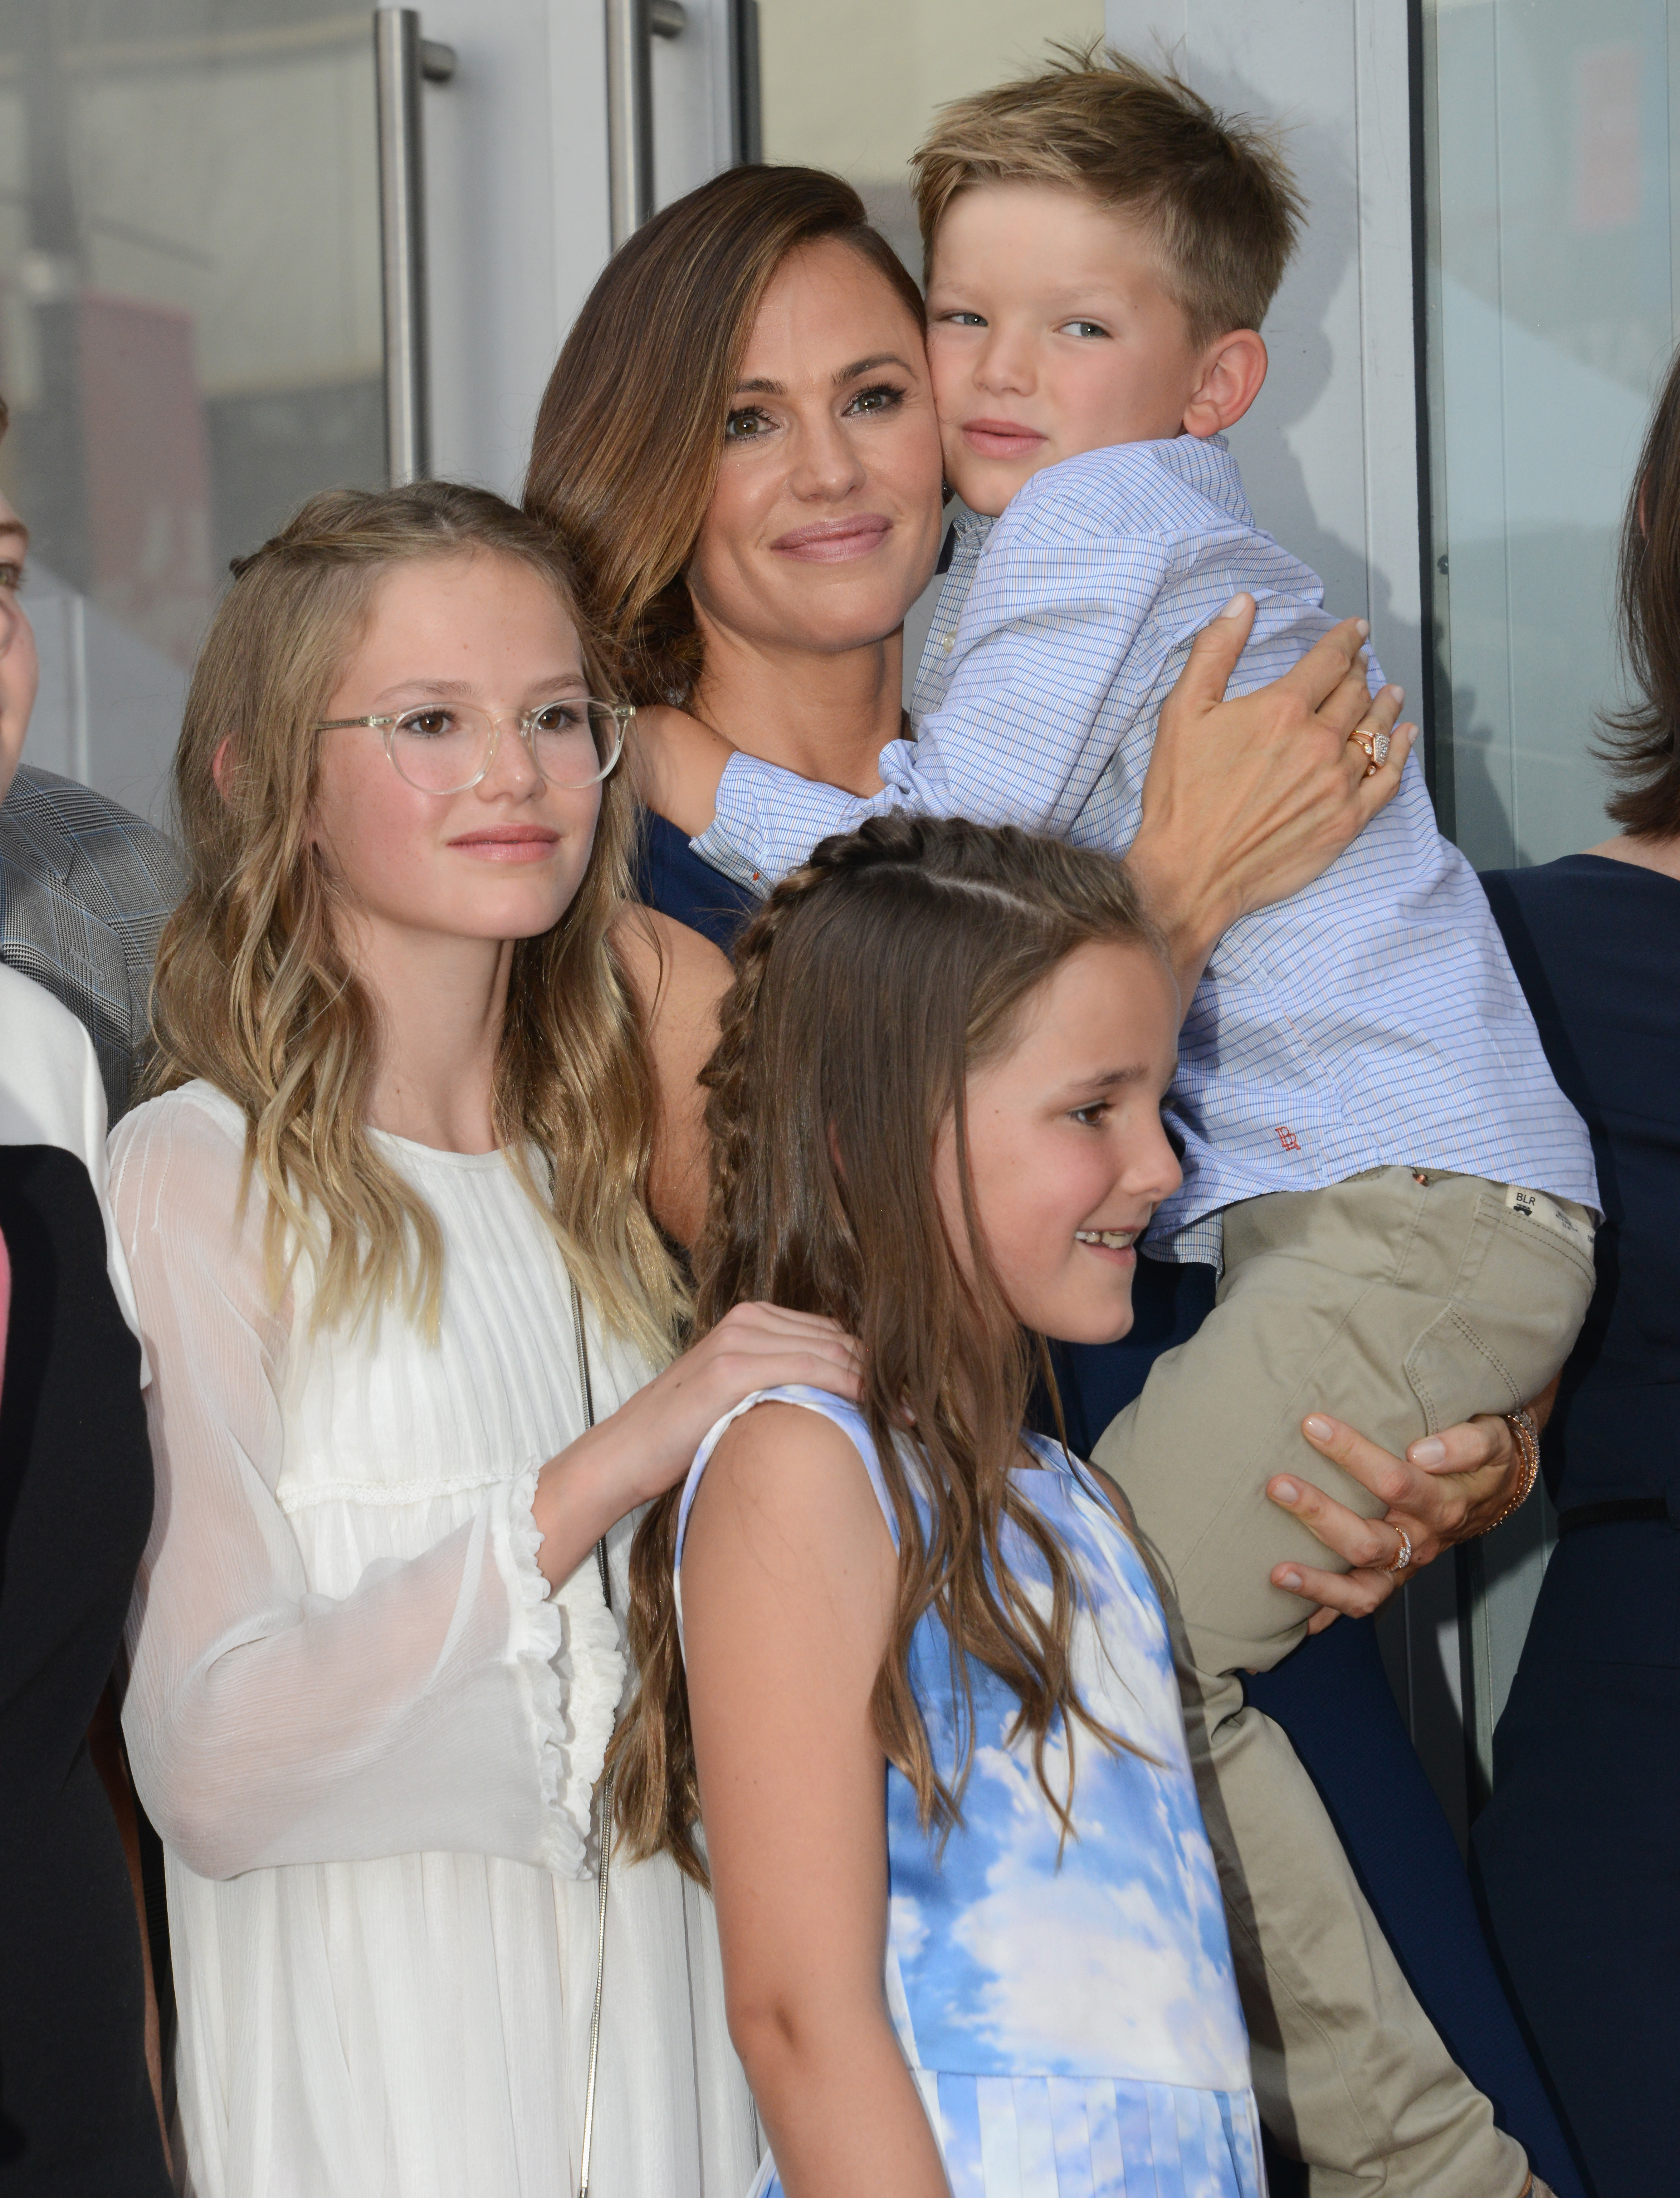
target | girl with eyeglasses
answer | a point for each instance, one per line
(421, 1080)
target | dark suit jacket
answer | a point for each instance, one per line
(85, 889)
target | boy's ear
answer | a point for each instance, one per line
(1234, 369)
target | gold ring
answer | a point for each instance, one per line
(1402, 1555)
(1375, 745)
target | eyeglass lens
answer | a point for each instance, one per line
(445, 747)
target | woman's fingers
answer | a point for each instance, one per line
(1345, 1594)
(1214, 653)
(1321, 677)
(1360, 1541)
(1378, 788)
(1467, 1448)
(1390, 1479)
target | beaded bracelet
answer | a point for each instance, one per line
(1522, 1425)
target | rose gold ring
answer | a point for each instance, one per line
(1402, 1555)
(1375, 745)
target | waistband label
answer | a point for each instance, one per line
(1536, 1206)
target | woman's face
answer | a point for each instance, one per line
(503, 859)
(824, 525)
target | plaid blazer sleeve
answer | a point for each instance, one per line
(86, 888)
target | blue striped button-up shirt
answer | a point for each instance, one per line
(1371, 1019)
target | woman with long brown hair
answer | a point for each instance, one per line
(404, 1299)
(739, 446)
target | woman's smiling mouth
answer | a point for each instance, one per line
(833, 540)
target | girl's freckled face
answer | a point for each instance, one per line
(504, 858)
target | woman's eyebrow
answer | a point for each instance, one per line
(870, 365)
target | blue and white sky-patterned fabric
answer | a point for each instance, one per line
(1071, 2016)
(1373, 1020)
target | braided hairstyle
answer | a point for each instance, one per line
(873, 983)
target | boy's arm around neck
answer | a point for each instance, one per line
(1034, 706)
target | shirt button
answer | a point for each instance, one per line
(947, 644)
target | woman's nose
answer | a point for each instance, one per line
(827, 463)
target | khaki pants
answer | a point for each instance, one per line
(1401, 1301)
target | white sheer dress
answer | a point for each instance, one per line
(369, 1734)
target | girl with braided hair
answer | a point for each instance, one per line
(906, 1661)
(389, 1222)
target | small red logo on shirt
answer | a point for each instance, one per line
(1288, 1139)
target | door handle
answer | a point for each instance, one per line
(631, 26)
(403, 60)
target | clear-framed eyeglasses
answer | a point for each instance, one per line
(445, 748)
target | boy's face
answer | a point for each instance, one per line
(1049, 331)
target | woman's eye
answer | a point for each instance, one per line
(1092, 1117)
(11, 576)
(556, 717)
(427, 725)
(960, 320)
(1086, 328)
(885, 396)
(746, 426)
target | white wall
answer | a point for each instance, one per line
(1329, 452)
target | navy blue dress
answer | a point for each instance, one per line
(1331, 1696)
(1579, 1848)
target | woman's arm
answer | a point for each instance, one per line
(789, 1584)
(1448, 1488)
(679, 979)
(1246, 801)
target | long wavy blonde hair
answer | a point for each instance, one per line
(256, 994)
(870, 985)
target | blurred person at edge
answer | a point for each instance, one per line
(1577, 1850)
(764, 294)
(77, 2117)
(85, 887)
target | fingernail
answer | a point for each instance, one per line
(1430, 1451)
(1364, 626)
(1398, 693)
(1288, 1579)
(1318, 1427)
(1285, 1492)
(1237, 604)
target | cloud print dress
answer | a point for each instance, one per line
(1073, 2025)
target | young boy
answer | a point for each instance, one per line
(1372, 1140)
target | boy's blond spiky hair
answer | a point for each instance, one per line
(1213, 190)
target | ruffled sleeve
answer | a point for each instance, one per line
(448, 1703)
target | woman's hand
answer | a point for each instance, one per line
(1246, 801)
(1448, 1488)
(650, 1442)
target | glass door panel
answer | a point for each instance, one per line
(1550, 316)
(852, 84)
(189, 328)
